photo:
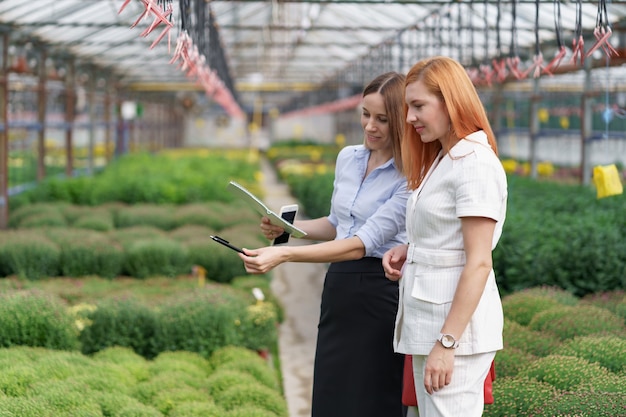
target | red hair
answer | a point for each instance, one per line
(448, 80)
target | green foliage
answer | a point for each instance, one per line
(158, 216)
(135, 364)
(249, 282)
(160, 256)
(252, 395)
(522, 306)
(313, 192)
(66, 398)
(85, 252)
(26, 212)
(181, 360)
(608, 351)
(261, 371)
(200, 322)
(100, 220)
(36, 319)
(120, 322)
(584, 404)
(149, 178)
(197, 409)
(518, 397)
(232, 353)
(221, 263)
(564, 372)
(249, 411)
(561, 235)
(112, 402)
(510, 360)
(258, 328)
(18, 250)
(138, 410)
(16, 379)
(567, 322)
(22, 406)
(223, 379)
(532, 342)
(165, 401)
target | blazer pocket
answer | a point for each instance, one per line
(436, 287)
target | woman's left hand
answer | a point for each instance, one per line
(439, 367)
(262, 260)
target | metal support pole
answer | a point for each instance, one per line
(4, 134)
(535, 100)
(586, 127)
(41, 117)
(108, 135)
(70, 97)
(91, 104)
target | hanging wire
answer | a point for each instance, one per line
(561, 51)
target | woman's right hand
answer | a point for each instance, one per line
(393, 261)
(270, 231)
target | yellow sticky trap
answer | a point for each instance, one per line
(607, 181)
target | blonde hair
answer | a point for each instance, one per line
(390, 86)
(448, 80)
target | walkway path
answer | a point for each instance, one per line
(299, 287)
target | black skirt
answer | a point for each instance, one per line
(356, 371)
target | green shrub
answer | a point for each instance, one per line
(19, 248)
(180, 361)
(126, 237)
(249, 411)
(112, 402)
(19, 214)
(199, 214)
(166, 362)
(123, 322)
(16, 380)
(147, 391)
(85, 252)
(568, 322)
(564, 372)
(190, 232)
(221, 263)
(162, 256)
(261, 371)
(586, 404)
(23, 406)
(252, 395)
(100, 220)
(167, 400)
(138, 410)
(227, 354)
(608, 351)
(522, 306)
(517, 397)
(249, 282)
(510, 360)
(196, 409)
(36, 319)
(224, 379)
(201, 322)
(126, 357)
(46, 219)
(66, 398)
(533, 342)
(258, 329)
(314, 192)
(61, 365)
(159, 216)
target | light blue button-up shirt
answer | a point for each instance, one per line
(374, 208)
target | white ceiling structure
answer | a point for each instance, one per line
(276, 51)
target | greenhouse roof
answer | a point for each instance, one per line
(277, 50)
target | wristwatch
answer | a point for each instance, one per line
(448, 341)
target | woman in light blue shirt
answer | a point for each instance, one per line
(356, 373)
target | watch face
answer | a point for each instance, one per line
(447, 341)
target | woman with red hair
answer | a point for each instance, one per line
(450, 314)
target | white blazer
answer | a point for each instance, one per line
(469, 181)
